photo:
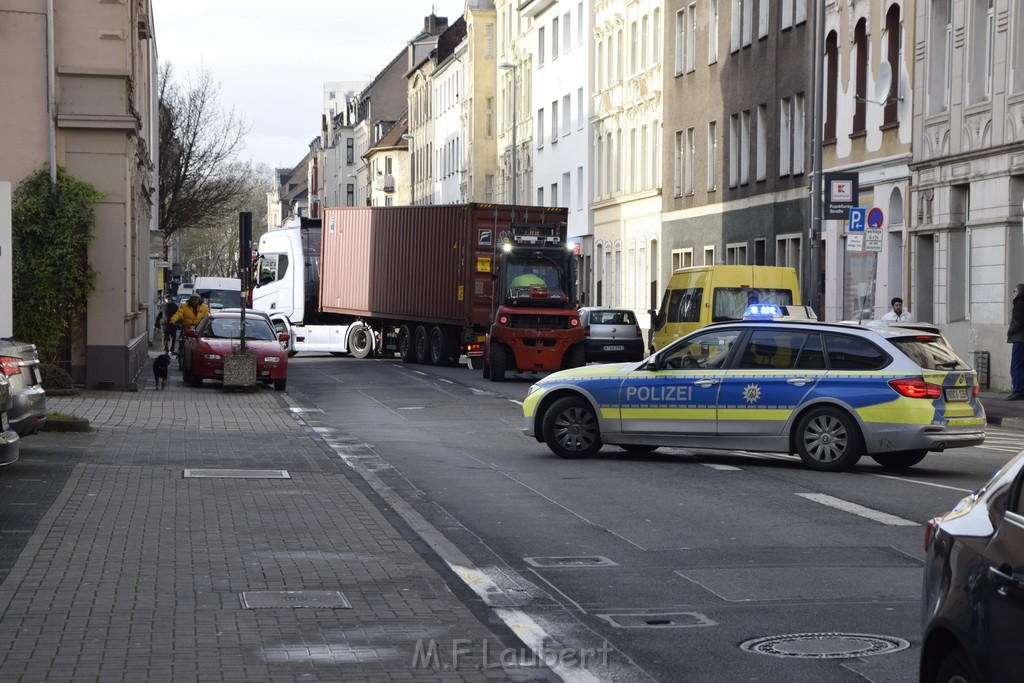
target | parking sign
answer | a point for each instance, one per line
(857, 219)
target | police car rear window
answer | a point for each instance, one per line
(852, 353)
(931, 353)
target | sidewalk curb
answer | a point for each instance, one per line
(1016, 423)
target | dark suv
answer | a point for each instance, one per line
(19, 362)
(974, 585)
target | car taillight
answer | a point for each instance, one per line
(639, 332)
(10, 365)
(915, 387)
(930, 528)
(586, 330)
(503, 319)
(974, 390)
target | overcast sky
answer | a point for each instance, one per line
(272, 57)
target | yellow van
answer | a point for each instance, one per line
(701, 295)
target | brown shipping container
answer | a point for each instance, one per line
(416, 263)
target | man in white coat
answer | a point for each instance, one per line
(897, 314)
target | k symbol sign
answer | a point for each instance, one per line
(857, 219)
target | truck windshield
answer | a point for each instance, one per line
(730, 303)
(535, 281)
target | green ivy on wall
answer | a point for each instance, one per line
(53, 280)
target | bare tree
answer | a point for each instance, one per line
(199, 145)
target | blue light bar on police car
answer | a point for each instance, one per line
(775, 312)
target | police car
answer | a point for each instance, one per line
(778, 381)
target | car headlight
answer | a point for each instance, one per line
(272, 359)
(534, 389)
(212, 356)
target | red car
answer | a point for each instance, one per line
(219, 334)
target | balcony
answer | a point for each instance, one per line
(384, 183)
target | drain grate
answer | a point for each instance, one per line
(311, 599)
(825, 645)
(581, 561)
(237, 474)
(659, 620)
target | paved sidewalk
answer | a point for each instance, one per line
(139, 573)
(1002, 413)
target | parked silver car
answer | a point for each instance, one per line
(8, 437)
(19, 362)
(612, 334)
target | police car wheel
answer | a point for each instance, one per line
(899, 460)
(827, 439)
(570, 428)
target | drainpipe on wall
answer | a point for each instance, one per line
(51, 101)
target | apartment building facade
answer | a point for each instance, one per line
(104, 131)
(338, 144)
(451, 172)
(388, 163)
(968, 172)
(480, 101)
(515, 61)
(627, 122)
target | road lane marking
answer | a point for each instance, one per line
(446, 381)
(923, 483)
(723, 468)
(518, 403)
(860, 510)
(413, 408)
(420, 373)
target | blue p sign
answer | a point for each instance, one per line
(857, 219)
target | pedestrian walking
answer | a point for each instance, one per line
(170, 330)
(897, 314)
(1015, 336)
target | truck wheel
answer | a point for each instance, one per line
(499, 363)
(442, 351)
(360, 342)
(570, 428)
(406, 351)
(421, 346)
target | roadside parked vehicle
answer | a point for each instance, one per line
(973, 595)
(19, 362)
(611, 334)
(219, 292)
(219, 334)
(828, 392)
(8, 437)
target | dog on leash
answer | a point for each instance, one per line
(160, 366)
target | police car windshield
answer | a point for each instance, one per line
(731, 303)
(931, 353)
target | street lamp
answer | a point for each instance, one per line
(515, 169)
(412, 168)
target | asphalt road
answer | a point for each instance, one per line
(671, 560)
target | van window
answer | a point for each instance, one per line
(730, 303)
(682, 305)
(850, 353)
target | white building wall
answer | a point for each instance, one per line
(449, 91)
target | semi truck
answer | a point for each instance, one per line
(428, 284)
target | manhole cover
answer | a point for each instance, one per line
(238, 474)
(582, 561)
(661, 620)
(825, 645)
(313, 599)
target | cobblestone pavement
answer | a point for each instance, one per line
(137, 572)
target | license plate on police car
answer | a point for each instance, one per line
(615, 347)
(956, 394)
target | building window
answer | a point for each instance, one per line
(566, 115)
(554, 194)
(691, 38)
(656, 154)
(980, 50)
(634, 181)
(860, 45)
(682, 258)
(748, 20)
(566, 32)
(489, 117)
(787, 14)
(745, 147)
(579, 109)
(540, 128)
(554, 122)
(799, 126)
(712, 31)
(554, 38)
(632, 47)
(488, 188)
(644, 152)
(712, 156)
(540, 196)
(581, 200)
(787, 251)
(736, 254)
(709, 255)
(690, 149)
(785, 135)
(680, 40)
(679, 162)
(645, 30)
(489, 41)
(763, 9)
(350, 195)
(734, 150)
(762, 142)
(1017, 43)
(760, 249)
(541, 38)
(579, 23)
(350, 152)
(656, 56)
(736, 21)
(831, 85)
(567, 190)
(894, 40)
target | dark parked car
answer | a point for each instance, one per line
(8, 437)
(219, 334)
(19, 362)
(974, 585)
(612, 334)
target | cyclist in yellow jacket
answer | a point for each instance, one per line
(192, 312)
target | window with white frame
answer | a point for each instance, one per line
(760, 252)
(734, 150)
(682, 258)
(489, 188)
(632, 47)
(566, 191)
(617, 161)
(691, 38)
(540, 196)
(713, 31)
(566, 115)
(554, 38)
(786, 14)
(579, 109)
(785, 135)
(709, 255)
(554, 122)
(679, 162)
(599, 167)
(940, 54)
(799, 124)
(645, 30)
(712, 156)
(982, 33)
(748, 21)
(489, 117)
(489, 41)
(736, 24)
(633, 180)
(680, 40)
(656, 56)
(656, 153)
(581, 200)
(1017, 43)
(745, 147)
(541, 46)
(763, 12)
(540, 128)
(579, 23)
(644, 151)
(787, 250)
(566, 32)
(761, 163)
(554, 194)
(736, 254)
(690, 151)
